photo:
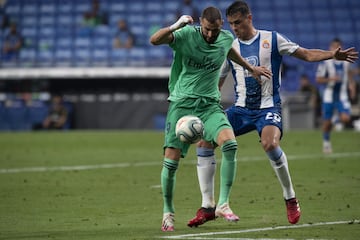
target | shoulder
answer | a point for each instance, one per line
(227, 34)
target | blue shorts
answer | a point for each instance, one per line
(244, 120)
(328, 109)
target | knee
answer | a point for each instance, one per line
(269, 145)
(344, 118)
(230, 145)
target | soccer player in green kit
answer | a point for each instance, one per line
(199, 52)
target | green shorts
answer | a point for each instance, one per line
(208, 110)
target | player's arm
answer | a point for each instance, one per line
(221, 82)
(316, 55)
(165, 35)
(225, 69)
(255, 71)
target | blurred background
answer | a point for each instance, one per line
(95, 55)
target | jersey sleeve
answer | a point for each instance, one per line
(285, 45)
(179, 35)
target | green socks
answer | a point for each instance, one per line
(227, 170)
(168, 179)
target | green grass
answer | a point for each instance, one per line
(126, 202)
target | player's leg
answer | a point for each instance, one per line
(206, 168)
(226, 141)
(168, 180)
(270, 124)
(344, 109)
(174, 149)
(327, 112)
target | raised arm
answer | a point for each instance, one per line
(165, 36)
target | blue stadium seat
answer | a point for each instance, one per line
(81, 6)
(305, 26)
(157, 56)
(154, 7)
(65, 7)
(155, 19)
(27, 57)
(136, 6)
(45, 58)
(323, 14)
(47, 21)
(100, 57)
(30, 9)
(117, 7)
(48, 8)
(64, 32)
(16, 115)
(64, 42)
(119, 57)
(101, 42)
(37, 112)
(63, 57)
(82, 57)
(30, 36)
(29, 22)
(46, 31)
(101, 31)
(82, 43)
(137, 56)
(13, 10)
(171, 6)
(286, 27)
(322, 26)
(65, 20)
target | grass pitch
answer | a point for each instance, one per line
(106, 185)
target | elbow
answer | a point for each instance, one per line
(154, 41)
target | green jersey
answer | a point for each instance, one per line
(196, 66)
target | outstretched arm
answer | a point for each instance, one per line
(316, 55)
(165, 36)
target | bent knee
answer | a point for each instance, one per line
(269, 145)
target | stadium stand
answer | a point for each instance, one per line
(304, 22)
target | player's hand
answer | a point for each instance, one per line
(350, 54)
(183, 21)
(261, 70)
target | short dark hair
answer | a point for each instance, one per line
(238, 6)
(338, 40)
(212, 14)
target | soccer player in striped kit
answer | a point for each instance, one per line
(337, 83)
(257, 106)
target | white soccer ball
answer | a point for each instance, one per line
(189, 129)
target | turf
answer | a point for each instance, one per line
(41, 200)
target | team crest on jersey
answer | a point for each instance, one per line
(266, 44)
(253, 60)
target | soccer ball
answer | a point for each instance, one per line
(189, 129)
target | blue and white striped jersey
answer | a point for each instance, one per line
(335, 91)
(264, 49)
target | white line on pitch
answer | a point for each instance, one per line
(201, 235)
(142, 164)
